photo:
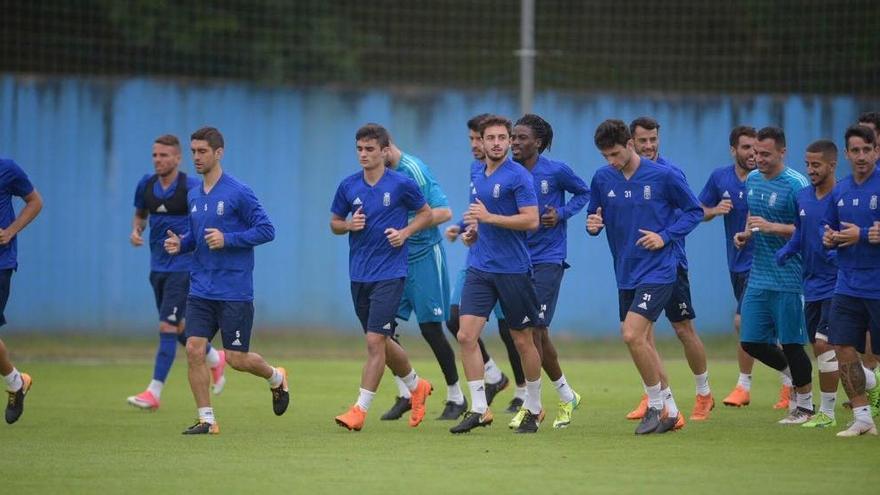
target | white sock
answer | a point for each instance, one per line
(411, 380)
(276, 379)
(520, 393)
(655, 400)
(454, 393)
(155, 388)
(703, 383)
(206, 414)
(566, 394)
(669, 402)
(533, 396)
(493, 372)
(365, 398)
(13, 380)
(863, 414)
(805, 401)
(792, 401)
(785, 376)
(402, 389)
(828, 401)
(745, 381)
(478, 396)
(870, 378)
(212, 358)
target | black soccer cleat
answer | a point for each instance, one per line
(401, 405)
(492, 389)
(15, 405)
(667, 424)
(203, 428)
(650, 422)
(280, 395)
(453, 411)
(515, 404)
(472, 420)
(529, 423)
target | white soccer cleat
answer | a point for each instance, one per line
(797, 417)
(858, 428)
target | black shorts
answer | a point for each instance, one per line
(171, 290)
(647, 300)
(376, 304)
(739, 281)
(850, 318)
(5, 283)
(515, 292)
(816, 314)
(234, 319)
(547, 278)
(679, 308)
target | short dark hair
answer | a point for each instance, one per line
(824, 146)
(168, 140)
(739, 131)
(864, 132)
(774, 133)
(474, 122)
(540, 127)
(493, 120)
(374, 131)
(646, 123)
(871, 118)
(610, 133)
(209, 134)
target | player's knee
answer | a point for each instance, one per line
(754, 349)
(165, 327)
(236, 359)
(196, 349)
(827, 362)
(684, 330)
(632, 336)
(376, 344)
(799, 363)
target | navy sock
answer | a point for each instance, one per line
(165, 356)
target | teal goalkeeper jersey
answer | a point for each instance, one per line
(422, 242)
(775, 201)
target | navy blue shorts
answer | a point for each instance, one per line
(234, 319)
(850, 319)
(679, 308)
(816, 313)
(171, 290)
(376, 304)
(739, 281)
(515, 292)
(646, 300)
(5, 283)
(547, 278)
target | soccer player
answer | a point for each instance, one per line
(636, 199)
(496, 381)
(379, 201)
(548, 245)
(772, 306)
(14, 182)
(503, 208)
(853, 228)
(871, 120)
(426, 291)
(226, 222)
(819, 270)
(161, 197)
(679, 310)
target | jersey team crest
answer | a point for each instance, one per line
(647, 192)
(219, 208)
(496, 191)
(545, 187)
(873, 203)
(386, 199)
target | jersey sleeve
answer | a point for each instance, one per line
(573, 184)
(413, 198)
(683, 198)
(436, 198)
(260, 229)
(20, 185)
(524, 191)
(139, 193)
(709, 195)
(340, 206)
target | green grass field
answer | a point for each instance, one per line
(79, 436)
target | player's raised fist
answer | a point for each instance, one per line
(595, 223)
(358, 220)
(724, 207)
(470, 235)
(874, 233)
(214, 238)
(550, 217)
(452, 232)
(395, 237)
(828, 237)
(740, 239)
(172, 243)
(135, 238)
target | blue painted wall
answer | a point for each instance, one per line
(85, 144)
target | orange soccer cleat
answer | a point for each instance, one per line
(784, 398)
(419, 397)
(702, 406)
(739, 397)
(353, 419)
(640, 410)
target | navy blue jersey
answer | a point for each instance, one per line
(725, 184)
(387, 204)
(160, 223)
(646, 201)
(678, 245)
(509, 188)
(552, 180)
(859, 274)
(819, 265)
(232, 208)
(13, 182)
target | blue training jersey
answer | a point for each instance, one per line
(859, 265)
(775, 201)
(552, 179)
(13, 182)
(231, 207)
(386, 205)
(678, 245)
(160, 223)
(509, 188)
(725, 184)
(645, 201)
(423, 241)
(819, 264)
